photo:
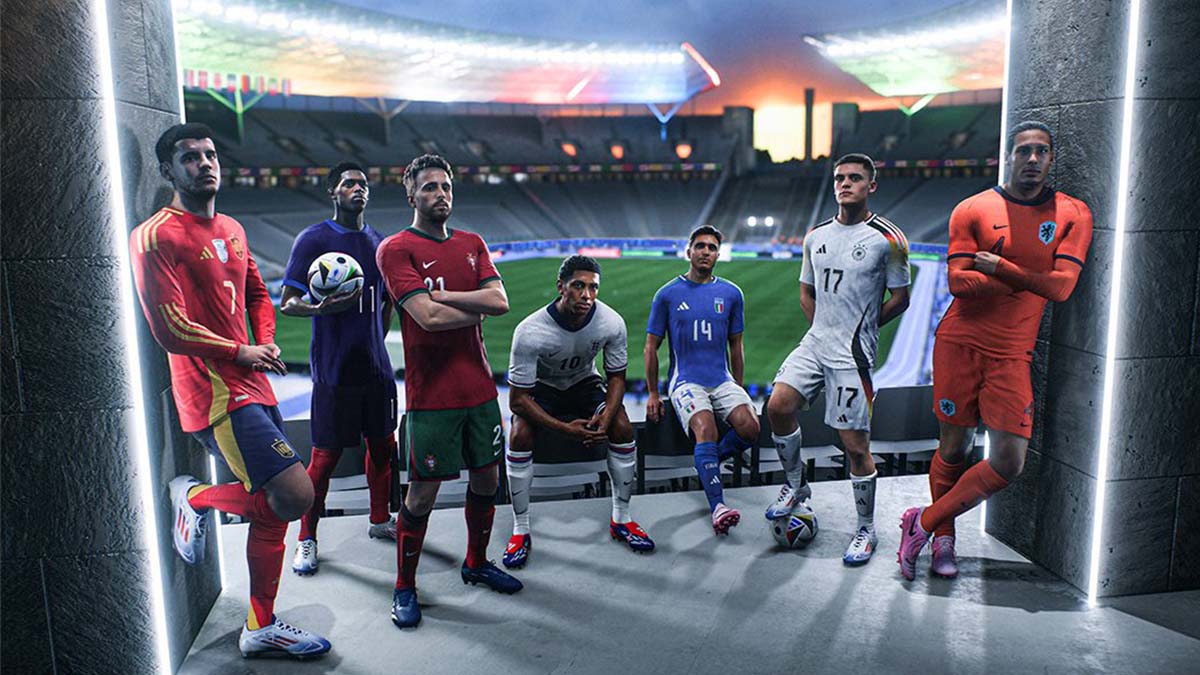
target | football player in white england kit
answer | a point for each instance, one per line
(554, 385)
(849, 262)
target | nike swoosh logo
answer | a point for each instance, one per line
(999, 227)
(912, 529)
(427, 265)
(518, 494)
(409, 554)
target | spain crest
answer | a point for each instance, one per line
(238, 250)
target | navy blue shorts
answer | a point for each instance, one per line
(252, 443)
(342, 416)
(580, 401)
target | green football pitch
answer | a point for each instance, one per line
(774, 322)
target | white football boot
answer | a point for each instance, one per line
(305, 562)
(281, 638)
(189, 527)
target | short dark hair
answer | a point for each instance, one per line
(335, 174)
(705, 229)
(857, 158)
(164, 149)
(421, 163)
(577, 263)
(1028, 125)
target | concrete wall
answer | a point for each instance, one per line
(75, 592)
(1067, 70)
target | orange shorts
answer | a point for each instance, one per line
(968, 384)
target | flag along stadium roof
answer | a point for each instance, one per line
(955, 49)
(324, 49)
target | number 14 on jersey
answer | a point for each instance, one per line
(701, 327)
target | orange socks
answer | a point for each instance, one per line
(942, 476)
(977, 484)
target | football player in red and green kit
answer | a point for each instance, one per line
(444, 281)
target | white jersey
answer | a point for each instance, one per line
(546, 350)
(850, 266)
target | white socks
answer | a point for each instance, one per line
(520, 477)
(622, 463)
(863, 488)
(790, 456)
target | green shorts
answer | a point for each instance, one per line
(439, 443)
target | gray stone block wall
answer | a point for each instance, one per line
(72, 541)
(1067, 70)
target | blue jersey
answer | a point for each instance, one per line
(697, 319)
(347, 348)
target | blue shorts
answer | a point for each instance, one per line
(252, 443)
(579, 401)
(343, 415)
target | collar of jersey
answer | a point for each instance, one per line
(1047, 193)
(559, 319)
(343, 230)
(430, 237)
(683, 277)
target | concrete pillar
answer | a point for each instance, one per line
(1067, 69)
(76, 594)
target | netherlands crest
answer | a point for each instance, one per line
(1046, 231)
(222, 251)
(719, 305)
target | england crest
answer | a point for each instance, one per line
(222, 251)
(1046, 231)
(719, 305)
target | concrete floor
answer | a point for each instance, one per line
(701, 604)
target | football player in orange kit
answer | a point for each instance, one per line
(1012, 248)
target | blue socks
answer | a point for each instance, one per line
(708, 467)
(731, 444)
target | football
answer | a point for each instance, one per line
(333, 273)
(798, 529)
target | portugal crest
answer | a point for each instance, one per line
(471, 258)
(719, 305)
(1046, 231)
(222, 251)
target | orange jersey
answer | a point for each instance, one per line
(196, 280)
(1043, 244)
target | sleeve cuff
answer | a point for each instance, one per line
(295, 284)
(484, 281)
(402, 299)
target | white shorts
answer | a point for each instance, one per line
(849, 394)
(721, 400)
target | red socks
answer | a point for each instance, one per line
(977, 484)
(479, 511)
(379, 475)
(320, 468)
(942, 476)
(264, 542)
(410, 537)
(264, 556)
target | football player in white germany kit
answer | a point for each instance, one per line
(849, 261)
(554, 385)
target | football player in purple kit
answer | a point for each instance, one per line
(354, 387)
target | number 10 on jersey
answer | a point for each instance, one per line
(701, 327)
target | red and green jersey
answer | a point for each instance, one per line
(197, 280)
(446, 369)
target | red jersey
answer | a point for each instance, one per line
(196, 280)
(1043, 244)
(446, 369)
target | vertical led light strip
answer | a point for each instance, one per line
(212, 462)
(1114, 300)
(141, 444)
(987, 436)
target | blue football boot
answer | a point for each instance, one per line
(633, 534)
(406, 613)
(491, 576)
(516, 554)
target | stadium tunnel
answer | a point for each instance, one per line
(1109, 500)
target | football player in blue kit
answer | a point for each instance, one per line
(701, 317)
(354, 387)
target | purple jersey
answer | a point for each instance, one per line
(347, 348)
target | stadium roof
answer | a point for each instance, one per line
(958, 48)
(324, 49)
